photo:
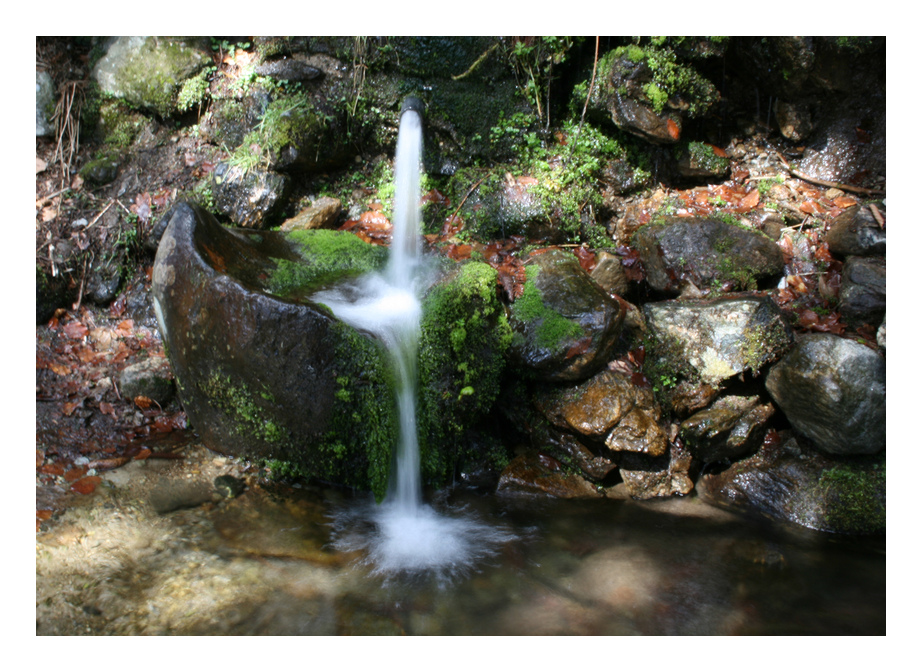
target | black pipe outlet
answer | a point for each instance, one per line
(415, 104)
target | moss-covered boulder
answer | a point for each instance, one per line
(264, 376)
(149, 71)
(565, 326)
(462, 355)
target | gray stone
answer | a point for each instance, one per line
(856, 232)
(706, 252)
(833, 390)
(609, 274)
(863, 295)
(250, 198)
(715, 339)
(44, 104)
(151, 378)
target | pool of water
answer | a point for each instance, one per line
(282, 560)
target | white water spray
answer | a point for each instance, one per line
(403, 535)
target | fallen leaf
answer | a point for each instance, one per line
(143, 402)
(579, 348)
(844, 202)
(673, 129)
(75, 474)
(108, 463)
(86, 485)
(75, 330)
(749, 201)
(51, 469)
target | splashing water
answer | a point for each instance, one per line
(403, 535)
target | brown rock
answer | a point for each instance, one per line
(321, 214)
(529, 475)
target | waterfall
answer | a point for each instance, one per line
(404, 535)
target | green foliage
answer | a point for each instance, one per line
(464, 338)
(194, 91)
(534, 60)
(237, 402)
(325, 256)
(703, 155)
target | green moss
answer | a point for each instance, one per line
(463, 342)
(854, 497)
(666, 364)
(552, 327)
(365, 424)
(326, 256)
(704, 156)
(237, 401)
(194, 90)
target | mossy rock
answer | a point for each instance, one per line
(566, 327)
(464, 339)
(148, 72)
(265, 377)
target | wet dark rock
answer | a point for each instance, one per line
(833, 390)
(44, 104)
(850, 147)
(102, 283)
(706, 252)
(863, 295)
(250, 198)
(856, 232)
(286, 381)
(639, 119)
(570, 450)
(793, 120)
(712, 340)
(229, 120)
(791, 484)
(609, 273)
(148, 72)
(530, 475)
(730, 428)
(290, 69)
(229, 486)
(771, 223)
(647, 477)
(151, 378)
(565, 327)
(322, 213)
(620, 177)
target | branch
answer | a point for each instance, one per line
(476, 63)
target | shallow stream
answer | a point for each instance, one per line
(264, 563)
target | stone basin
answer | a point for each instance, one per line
(263, 374)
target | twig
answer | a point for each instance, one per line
(595, 63)
(463, 200)
(47, 198)
(96, 218)
(476, 63)
(827, 183)
(82, 281)
(877, 215)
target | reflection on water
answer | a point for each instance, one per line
(608, 567)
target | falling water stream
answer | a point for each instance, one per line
(403, 535)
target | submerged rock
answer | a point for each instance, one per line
(788, 484)
(833, 390)
(532, 475)
(664, 476)
(706, 252)
(565, 327)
